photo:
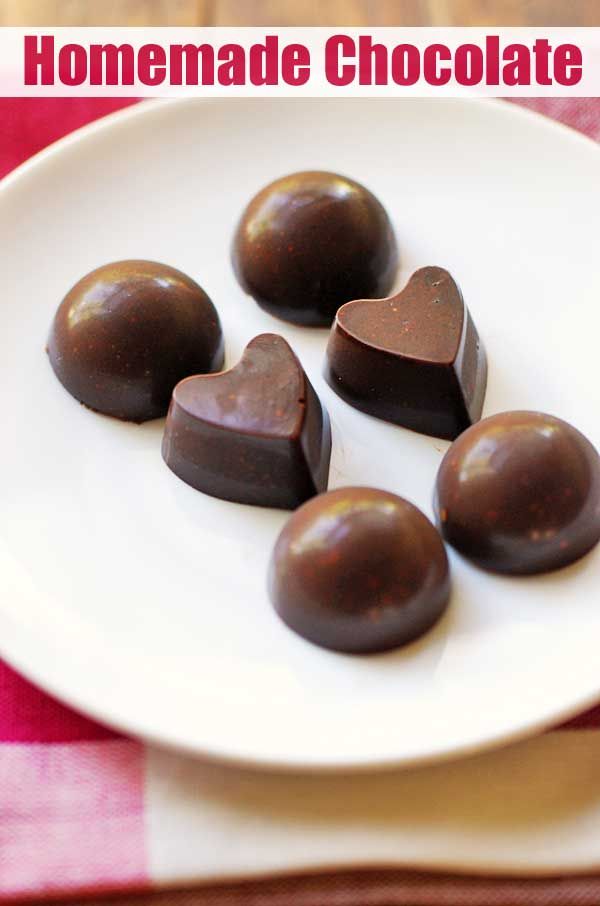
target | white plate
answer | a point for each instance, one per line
(141, 601)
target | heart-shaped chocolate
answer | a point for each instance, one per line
(414, 359)
(255, 434)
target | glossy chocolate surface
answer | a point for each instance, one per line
(414, 359)
(520, 493)
(311, 241)
(359, 570)
(128, 332)
(256, 434)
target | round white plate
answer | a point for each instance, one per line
(141, 601)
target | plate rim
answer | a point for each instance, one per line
(143, 106)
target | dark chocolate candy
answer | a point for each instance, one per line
(359, 570)
(255, 434)
(126, 333)
(414, 359)
(311, 241)
(520, 493)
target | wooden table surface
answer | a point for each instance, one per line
(299, 12)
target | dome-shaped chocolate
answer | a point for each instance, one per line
(128, 332)
(520, 493)
(359, 570)
(311, 241)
